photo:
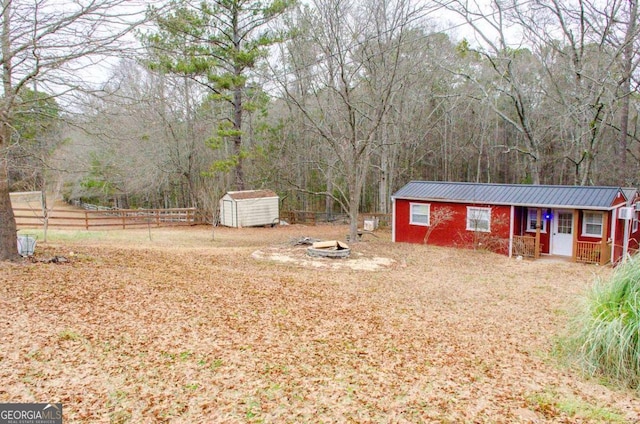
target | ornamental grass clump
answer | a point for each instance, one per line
(605, 336)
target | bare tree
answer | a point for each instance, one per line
(52, 43)
(505, 57)
(437, 218)
(630, 59)
(218, 44)
(144, 144)
(353, 82)
(581, 71)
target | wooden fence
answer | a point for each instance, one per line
(524, 246)
(312, 218)
(593, 252)
(105, 219)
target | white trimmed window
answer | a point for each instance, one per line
(420, 214)
(531, 221)
(634, 228)
(478, 219)
(592, 224)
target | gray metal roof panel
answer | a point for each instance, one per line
(631, 193)
(511, 194)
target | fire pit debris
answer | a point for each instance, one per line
(329, 249)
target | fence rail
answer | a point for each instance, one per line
(120, 218)
(310, 217)
(106, 218)
(524, 246)
(592, 253)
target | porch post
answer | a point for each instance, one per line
(574, 225)
(536, 254)
(511, 231)
(625, 240)
(603, 242)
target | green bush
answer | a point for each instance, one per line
(605, 334)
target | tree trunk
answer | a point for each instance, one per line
(534, 169)
(8, 234)
(328, 199)
(585, 169)
(383, 185)
(237, 138)
(628, 55)
(354, 203)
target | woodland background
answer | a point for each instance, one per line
(333, 104)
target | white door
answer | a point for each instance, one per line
(562, 236)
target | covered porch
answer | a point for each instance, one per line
(579, 235)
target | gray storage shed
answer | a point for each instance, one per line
(249, 208)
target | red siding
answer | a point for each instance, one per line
(453, 232)
(618, 245)
(634, 236)
(618, 236)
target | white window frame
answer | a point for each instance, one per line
(584, 223)
(532, 216)
(472, 213)
(634, 226)
(412, 213)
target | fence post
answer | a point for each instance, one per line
(86, 220)
(124, 219)
(157, 214)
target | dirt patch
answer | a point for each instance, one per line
(186, 326)
(357, 261)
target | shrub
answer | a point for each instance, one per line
(605, 334)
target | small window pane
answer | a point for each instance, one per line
(593, 229)
(420, 219)
(565, 223)
(592, 224)
(478, 219)
(420, 214)
(533, 216)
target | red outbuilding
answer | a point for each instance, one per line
(587, 224)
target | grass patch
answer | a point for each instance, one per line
(66, 235)
(551, 404)
(69, 335)
(604, 337)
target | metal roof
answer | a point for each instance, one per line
(511, 194)
(630, 193)
(251, 194)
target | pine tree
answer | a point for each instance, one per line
(218, 43)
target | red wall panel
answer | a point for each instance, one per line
(453, 232)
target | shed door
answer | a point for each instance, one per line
(562, 238)
(228, 214)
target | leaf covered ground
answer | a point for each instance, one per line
(187, 325)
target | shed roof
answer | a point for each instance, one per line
(251, 194)
(512, 194)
